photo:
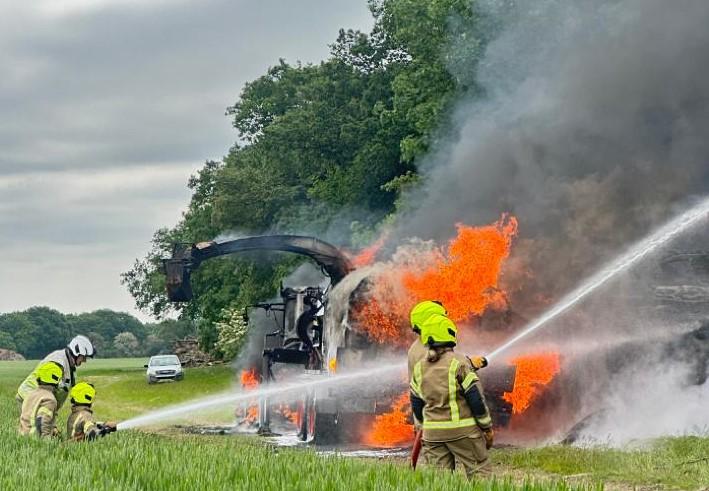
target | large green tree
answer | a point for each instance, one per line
(320, 147)
(40, 330)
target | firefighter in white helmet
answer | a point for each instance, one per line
(73, 355)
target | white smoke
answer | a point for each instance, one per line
(650, 402)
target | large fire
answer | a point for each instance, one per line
(532, 374)
(464, 276)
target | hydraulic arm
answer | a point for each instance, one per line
(188, 257)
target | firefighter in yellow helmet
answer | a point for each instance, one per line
(39, 407)
(446, 395)
(81, 425)
(72, 356)
(421, 312)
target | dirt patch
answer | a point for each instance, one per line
(9, 355)
(190, 355)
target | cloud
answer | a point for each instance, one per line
(108, 106)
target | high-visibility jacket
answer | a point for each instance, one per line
(417, 352)
(30, 383)
(81, 424)
(39, 410)
(448, 395)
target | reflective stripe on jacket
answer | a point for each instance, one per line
(442, 386)
(39, 410)
(81, 424)
(417, 352)
(61, 393)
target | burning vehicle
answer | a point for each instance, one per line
(361, 317)
(321, 331)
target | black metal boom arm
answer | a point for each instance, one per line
(188, 257)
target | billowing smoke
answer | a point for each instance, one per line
(594, 130)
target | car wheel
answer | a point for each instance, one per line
(151, 380)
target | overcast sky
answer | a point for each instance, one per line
(107, 107)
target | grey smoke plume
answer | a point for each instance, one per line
(593, 132)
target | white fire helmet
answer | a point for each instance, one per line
(81, 345)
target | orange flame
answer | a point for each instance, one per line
(392, 429)
(533, 373)
(366, 256)
(249, 381)
(464, 276)
(251, 415)
(288, 413)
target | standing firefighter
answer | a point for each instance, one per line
(76, 352)
(447, 396)
(39, 408)
(81, 425)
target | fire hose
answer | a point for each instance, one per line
(416, 451)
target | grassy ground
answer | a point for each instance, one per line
(136, 460)
(681, 463)
(122, 391)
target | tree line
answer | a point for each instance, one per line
(39, 330)
(324, 149)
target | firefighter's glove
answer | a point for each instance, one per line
(478, 362)
(56, 433)
(489, 438)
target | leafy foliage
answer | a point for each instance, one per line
(40, 330)
(232, 330)
(322, 149)
(125, 343)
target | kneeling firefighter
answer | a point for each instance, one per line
(73, 355)
(446, 395)
(39, 408)
(81, 425)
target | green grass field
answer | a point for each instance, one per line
(153, 460)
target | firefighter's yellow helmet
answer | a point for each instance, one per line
(83, 393)
(422, 311)
(50, 373)
(439, 330)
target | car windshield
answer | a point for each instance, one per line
(164, 361)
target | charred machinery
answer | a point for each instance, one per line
(313, 334)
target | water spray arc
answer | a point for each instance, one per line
(380, 373)
(636, 253)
